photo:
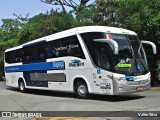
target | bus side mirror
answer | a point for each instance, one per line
(152, 44)
(112, 43)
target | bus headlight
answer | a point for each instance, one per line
(123, 81)
(149, 78)
(120, 79)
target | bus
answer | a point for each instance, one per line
(84, 60)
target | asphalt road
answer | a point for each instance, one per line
(95, 108)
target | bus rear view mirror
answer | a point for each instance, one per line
(152, 44)
(112, 43)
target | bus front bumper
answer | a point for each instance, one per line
(130, 86)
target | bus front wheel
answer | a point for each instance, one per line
(22, 87)
(81, 90)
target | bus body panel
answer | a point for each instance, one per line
(102, 81)
(12, 77)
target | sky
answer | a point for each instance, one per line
(23, 7)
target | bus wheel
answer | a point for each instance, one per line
(22, 87)
(81, 90)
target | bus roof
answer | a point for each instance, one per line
(74, 31)
(106, 29)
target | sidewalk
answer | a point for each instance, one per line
(155, 88)
(2, 80)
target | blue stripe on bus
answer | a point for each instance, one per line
(34, 43)
(36, 66)
(129, 78)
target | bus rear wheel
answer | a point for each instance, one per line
(22, 87)
(81, 90)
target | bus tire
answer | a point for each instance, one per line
(22, 87)
(81, 90)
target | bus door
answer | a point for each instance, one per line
(102, 76)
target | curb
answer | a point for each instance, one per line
(155, 88)
(2, 81)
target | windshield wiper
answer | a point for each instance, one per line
(133, 53)
(139, 58)
(142, 64)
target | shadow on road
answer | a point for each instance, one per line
(110, 98)
(117, 98)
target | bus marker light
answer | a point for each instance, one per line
(109, 36)
(120, 89)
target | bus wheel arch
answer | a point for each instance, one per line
(21, 85)
(81, 88)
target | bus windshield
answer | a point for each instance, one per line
(131, 59)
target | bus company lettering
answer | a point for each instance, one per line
(73, 46)
(76, 63)
(58, 64)
(105, 85)
(67, 47)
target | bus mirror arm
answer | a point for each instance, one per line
(112, 43)
(152, 44)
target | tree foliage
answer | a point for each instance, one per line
(45, 24)
(75, 6)
(9, 34)
(142, 17)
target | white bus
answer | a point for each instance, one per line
(84, 60)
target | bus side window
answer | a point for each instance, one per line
(68, 46)
(27, 54)
(102, 56)
(8, 57)
(53, 49)
(42, 55)
(28, 58)
(48, 50)
(18, 56)
(71, 47)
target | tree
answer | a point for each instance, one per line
(144, 18)
(106, 9)
(9, 35)
(88, 12)
(75, 6)
(45, 24)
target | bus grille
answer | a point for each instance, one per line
(137, 82)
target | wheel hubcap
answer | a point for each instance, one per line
(82, 90)
(21, 86)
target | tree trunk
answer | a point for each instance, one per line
(154, 70)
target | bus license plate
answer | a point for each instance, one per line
(139, 88)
